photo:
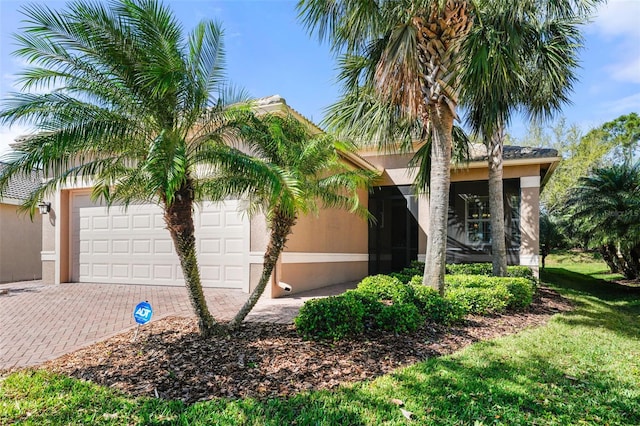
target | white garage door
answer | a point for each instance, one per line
(134, 246)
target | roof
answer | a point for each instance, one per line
(276, 103)
(20, 186)
(478, 152)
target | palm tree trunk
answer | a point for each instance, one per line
(634, 260)
(496, 202)
(441, 118)
(609, 256)
(280, 229)
(179, 219)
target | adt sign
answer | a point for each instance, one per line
(142, 313)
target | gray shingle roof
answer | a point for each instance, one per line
(479, 152)
(20, 187)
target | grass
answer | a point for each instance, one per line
(581, 368)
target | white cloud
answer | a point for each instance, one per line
(624, 105)
(618, 22)
(627, 71)
(619, 17)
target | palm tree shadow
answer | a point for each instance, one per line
(602, 303)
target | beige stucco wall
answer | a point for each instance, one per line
(462, 173)
(312, 256)
(326, 249)
(20, 245)
(530, 222)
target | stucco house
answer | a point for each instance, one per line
(20, 236)
(86, 242)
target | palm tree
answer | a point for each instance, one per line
(136, 107)
(523, 56)
(290, 172)
(400, 61)
(606, 207)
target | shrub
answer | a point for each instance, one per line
(518, 271)
(435, 307)
(521, 291)
(399, 318)
(384, 287)
(332, 318)
(482, 294)
(405, 276)
(480, 300)
(371, 307)
(468, 281)
(487, 269)
(416, 280)
(469, 269)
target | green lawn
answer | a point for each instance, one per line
(582, 368)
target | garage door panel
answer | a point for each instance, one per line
(209, 220)
(119, 271)
(120, 246)
(163, 272)
(210, 273)
(100, 270)
(141, 246)
(232, 219)
(134, 246)
(233, 246)
(141, 271)
(100, 223)
(209, 246)
(100, 246)
(120, 222)
(163, 246)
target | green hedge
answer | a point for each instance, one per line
(405, 276)
(487, 269)
(385, 287)
(480, 300)
(383, 302)
(520, 272)
(331, 318)
(482, 294)
(417, 268)
(399, 318)
(435, 307)
(521, 290)
(469, 269)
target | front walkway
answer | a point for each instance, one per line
(41, 322)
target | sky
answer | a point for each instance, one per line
(269, 52)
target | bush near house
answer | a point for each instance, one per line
(435, 307)
(487, 269)
(483, 295)
(383, 302)
(332, 318)
(417, 268)
(386, 287)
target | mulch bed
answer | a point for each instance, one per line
(169, 359)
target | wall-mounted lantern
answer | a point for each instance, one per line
(44, 207)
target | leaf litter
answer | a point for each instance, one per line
(170, 360)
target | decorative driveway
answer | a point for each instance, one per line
(40, 322)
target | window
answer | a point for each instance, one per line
(514, 206)
(477, 219)
(478, 228)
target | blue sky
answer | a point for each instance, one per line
(269, 52)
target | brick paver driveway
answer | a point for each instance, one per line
(42, 322)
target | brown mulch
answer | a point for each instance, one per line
(169, 359)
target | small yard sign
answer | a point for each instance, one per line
(142, 313)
